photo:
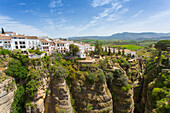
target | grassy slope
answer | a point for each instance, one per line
(130, 47)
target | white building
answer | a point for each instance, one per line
(61, 46)
(24, 42)
(81, 53)
(5, 42)
(45, 45)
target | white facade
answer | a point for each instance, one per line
(61, 46)
(81, 53)
(5, 43)
(24, 42)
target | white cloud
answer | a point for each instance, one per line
(97, 3)
(55, 3)
(10, 24)
(22, 4)
(160, 14)
(137, 14)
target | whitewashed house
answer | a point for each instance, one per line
(61, 46)
(81, 52)
(5, 42)
(45, 45)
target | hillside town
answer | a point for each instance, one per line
(13, 41)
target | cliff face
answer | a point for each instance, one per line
(7, 86)
(123, 100)
(58, 99)
(92, 98)
(52, 95)
(7, 90)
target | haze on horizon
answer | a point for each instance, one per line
(66, 18)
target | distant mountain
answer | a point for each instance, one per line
(128, 36)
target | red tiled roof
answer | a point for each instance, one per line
(5, 38)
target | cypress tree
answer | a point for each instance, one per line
(3, 32)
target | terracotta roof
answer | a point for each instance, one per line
(85, 61)
(31, 37)
(5, 38)
(60, 42)
(43, 41)
(18, 36)
(2, 35)
(52, 43)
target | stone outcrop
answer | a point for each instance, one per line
(92, 98)
(7, 90)
(58, 99)
(39, 98)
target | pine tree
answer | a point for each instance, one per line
(119, 52)
(3, 32)
(123, 52)
(106, 50)
(98, 48)
(109, 51)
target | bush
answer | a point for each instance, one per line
(59, 72)
(126, 88)
(91, 78)
(17, 70)
(109, 77)
(5, 52)
(101, 76)
(19, 101)
(158, 93)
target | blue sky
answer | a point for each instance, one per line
(66, 18)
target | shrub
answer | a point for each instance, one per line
(59, 72)
(19, 101)
(17, 70)
(91, 78)
(5, 52)
(101, 76)
(158, 93)
(109, 77)
(126, 88)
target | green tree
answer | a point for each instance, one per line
(91, 78)
(5, 52)
(59, 72)
(19, 101)
(101, 76)
(119, 52)
(17, 70)
(74, 49)
(3, 32)
(123, 52)
(105, 50)
(98, 48)
(109, 53)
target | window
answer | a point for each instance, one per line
(0, 41)
(16, 43)
(22, 46)
(16, 47)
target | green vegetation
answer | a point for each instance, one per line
(37, 51)
(98, 48)
(19, 101)
(163, 45)
(130, 47)
(5, 52)
(91, 78)
(73, 49)
(2, 30)
(17, 70)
